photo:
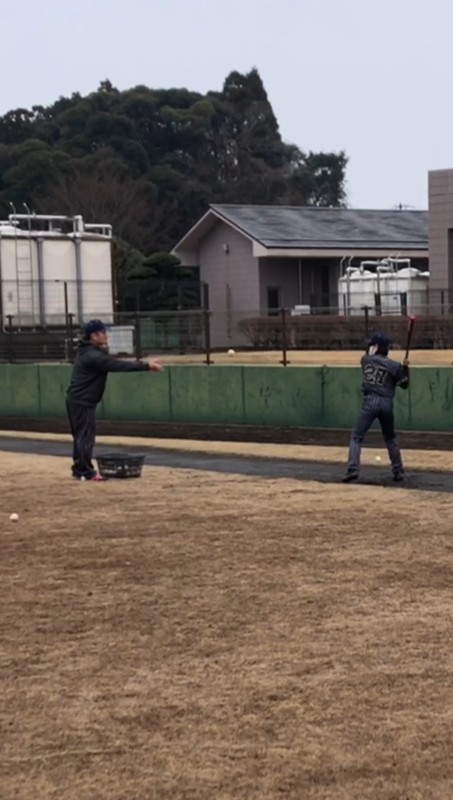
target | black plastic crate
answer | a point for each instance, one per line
(120, 465)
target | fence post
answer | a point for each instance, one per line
(366, 310)
(284, 360)
(138, 337)
(181, 330)
(70, 337)
(206, 317)
(180, 319)
(207, 336)
(10, 339)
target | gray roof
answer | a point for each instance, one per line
(337, 228)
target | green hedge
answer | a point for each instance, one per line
(333, 332)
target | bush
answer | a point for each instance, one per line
(329, 332)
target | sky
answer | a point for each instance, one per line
(371, 77)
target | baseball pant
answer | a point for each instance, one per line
(83, 429)
(380, 408)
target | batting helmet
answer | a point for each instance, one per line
(382, 342)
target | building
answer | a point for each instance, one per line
(441, 233)
(257, 259)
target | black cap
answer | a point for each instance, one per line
(93, 326)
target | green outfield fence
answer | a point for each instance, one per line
(308, 397)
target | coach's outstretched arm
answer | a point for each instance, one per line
(103, 362)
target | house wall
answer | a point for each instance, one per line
(281, 273)
(233, 279)
(236, 268)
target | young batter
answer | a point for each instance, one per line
(380, 377)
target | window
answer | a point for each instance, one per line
(273, 299)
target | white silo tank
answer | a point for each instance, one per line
(408, 281)
(387, 288)
(356, 289)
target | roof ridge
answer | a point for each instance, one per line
(323, 208)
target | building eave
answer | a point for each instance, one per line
(190, 241)
(260, 251)
(196, 232)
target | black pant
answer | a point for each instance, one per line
(380, 408)
(83, 428)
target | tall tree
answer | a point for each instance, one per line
(150, 161)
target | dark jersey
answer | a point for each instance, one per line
(89, 374)
(381, 375)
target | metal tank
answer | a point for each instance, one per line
(383, 288)
(356, 289)
(52, 266)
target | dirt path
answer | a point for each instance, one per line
(306, 464)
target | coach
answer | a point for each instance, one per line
(86, 390)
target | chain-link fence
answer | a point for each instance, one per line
(204, 333)
(42, 322)
(47, 303)
(133, 335)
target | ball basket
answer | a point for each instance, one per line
(120, 465)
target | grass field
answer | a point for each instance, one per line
(206, 636)
(424, 358)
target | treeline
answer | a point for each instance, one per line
(150, 161)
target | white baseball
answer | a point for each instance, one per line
(231, 352)
(14, 518)
(378, 458)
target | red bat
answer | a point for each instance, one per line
(410, 328)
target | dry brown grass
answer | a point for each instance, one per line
(298, 358)
(207, 637)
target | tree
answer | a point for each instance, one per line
(150, 161)
(102, 190)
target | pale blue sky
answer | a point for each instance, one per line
(374, 78)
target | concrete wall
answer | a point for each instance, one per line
(440, 229)
(323, 397)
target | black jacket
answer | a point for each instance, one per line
(89, 374)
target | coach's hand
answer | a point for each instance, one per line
(156, 366)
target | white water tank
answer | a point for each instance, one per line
(359, 288)
(356, 289)
(45, 273)
(409, 282)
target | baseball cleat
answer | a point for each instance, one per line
(351, 475)
(96, 477)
